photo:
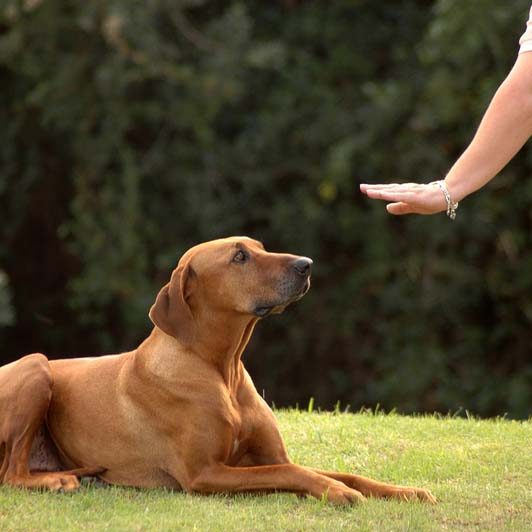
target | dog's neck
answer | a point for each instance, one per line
(221, 340)
(217, 340)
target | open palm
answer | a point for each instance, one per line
(408, 198)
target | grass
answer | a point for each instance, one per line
(481, 472)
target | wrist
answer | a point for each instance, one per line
(451, 203)
(461, 182)
(457, 191)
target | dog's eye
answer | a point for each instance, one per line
(241, 256)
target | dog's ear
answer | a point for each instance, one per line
(171, 311)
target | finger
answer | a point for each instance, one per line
(394, 187)
(378, 186)
(413, 185)
(393, 195)
(399, 208)
(365, 186)
(398, 189)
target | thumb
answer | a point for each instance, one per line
(399, 208)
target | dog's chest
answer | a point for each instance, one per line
(242, 429)
(239, 448)
(236, 444)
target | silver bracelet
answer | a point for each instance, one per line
(451, 205)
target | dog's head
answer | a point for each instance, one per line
(232, 275)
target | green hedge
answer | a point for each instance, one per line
(131, 130)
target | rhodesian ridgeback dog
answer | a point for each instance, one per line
(180, 410)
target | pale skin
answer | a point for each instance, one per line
(504, 129)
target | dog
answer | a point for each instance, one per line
(180, 411)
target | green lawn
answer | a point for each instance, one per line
(480, 471)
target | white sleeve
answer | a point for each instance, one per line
(526, 40)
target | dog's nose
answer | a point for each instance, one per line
(302, 266)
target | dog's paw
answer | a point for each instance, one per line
(414, 494)
(338, 493)
(69, 482)
(46, 481)
(57, 482)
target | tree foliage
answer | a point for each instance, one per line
(131, 130)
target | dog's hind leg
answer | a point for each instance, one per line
(25, 393)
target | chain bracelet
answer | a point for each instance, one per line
(451, 205)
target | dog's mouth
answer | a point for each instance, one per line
(264, 310)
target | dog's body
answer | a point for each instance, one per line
(179, 411)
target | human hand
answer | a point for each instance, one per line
(408, 198)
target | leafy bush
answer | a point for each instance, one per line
(132, 130)
(6, 312)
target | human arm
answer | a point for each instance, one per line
(505, 127)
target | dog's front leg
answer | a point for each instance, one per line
(373, 488)
(285, 477)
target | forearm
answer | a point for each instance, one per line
(505, 127)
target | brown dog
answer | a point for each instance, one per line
(180, 410)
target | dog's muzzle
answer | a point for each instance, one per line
(292, 287)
